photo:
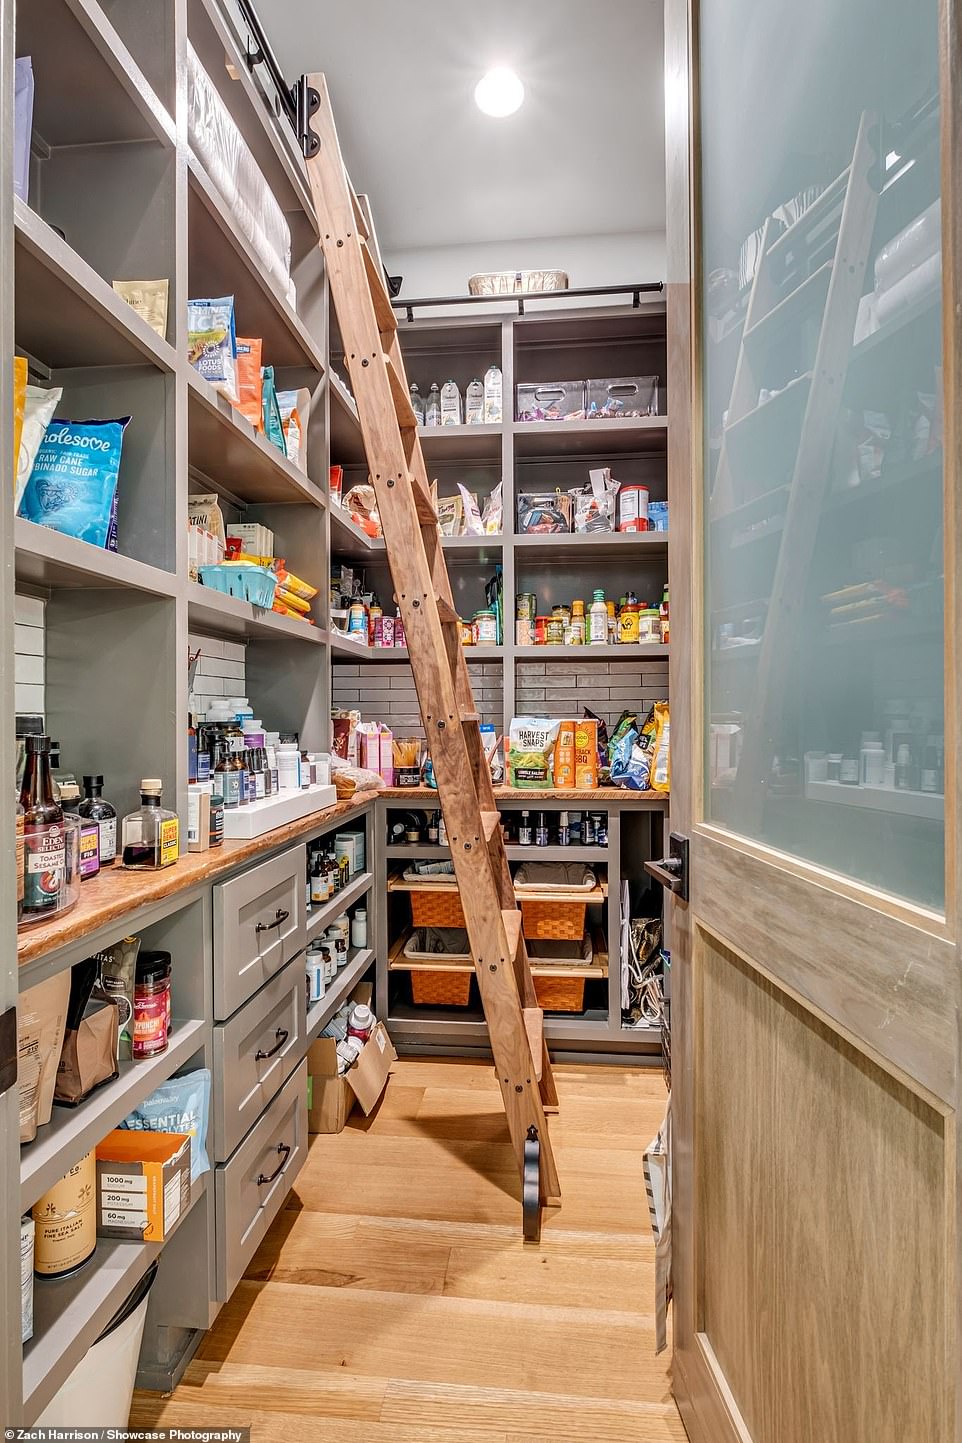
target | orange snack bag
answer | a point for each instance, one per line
(586, 754)
(564, 755)
(250, 383)
(19, 405)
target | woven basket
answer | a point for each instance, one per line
(440, 989)
(437, 908)
(560, 994)
(564, 920)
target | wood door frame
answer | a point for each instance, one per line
(902, 1008)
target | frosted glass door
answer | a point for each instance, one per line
(821, 303)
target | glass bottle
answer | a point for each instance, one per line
(432, 406)
(525, 835)
(65, 788)
(417, 403)
(151, 834)
(44, 845)
(19, 857)
(541, 831)
(105, 815)
(191, 750)
(598, 620)
(226, 778)
(318, 887)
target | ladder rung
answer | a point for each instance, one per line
(423, 503)
(490, 822)
(511, 917)
(471, 716)
(383, 310)
(534, 1026)
(447, 613)
(360, 219)
(402, 398)
(820, 207)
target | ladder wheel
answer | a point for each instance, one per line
(531, 1187)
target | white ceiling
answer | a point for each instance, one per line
(583, 155)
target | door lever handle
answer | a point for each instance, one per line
(672, 871)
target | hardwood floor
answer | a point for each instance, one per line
(394, 1302)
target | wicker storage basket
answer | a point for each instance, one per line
(554, 919)
(437, 907)
(560, 994)
(440, 989)
(508, 283)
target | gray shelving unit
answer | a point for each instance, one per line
(636, 829)
(116, 193)
(554, 343)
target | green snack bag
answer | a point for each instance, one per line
(273, 425)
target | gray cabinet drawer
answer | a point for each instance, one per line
(259, 926)
(255, 1053)
(251, 1188)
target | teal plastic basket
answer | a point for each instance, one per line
(248, 583)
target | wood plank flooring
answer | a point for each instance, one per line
(394, 1302)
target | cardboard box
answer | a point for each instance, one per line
(331, 1097)
(143, 1184)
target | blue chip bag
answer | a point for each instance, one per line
(180, 1105)
(212, 344)
(73, 485)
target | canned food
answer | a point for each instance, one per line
(467, 634)
(633, 508)
(526, 606)
(384, 631)
(541, 630)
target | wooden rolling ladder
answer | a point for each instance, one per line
(451, 721)
(814, 267)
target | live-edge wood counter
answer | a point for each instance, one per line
(560, 796)
(116, 894)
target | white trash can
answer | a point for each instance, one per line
(99, 1391)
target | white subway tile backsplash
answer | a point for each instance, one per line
(28, 640)
(29, 610)
(28, 669)
(217, 666)
(28, 698)
(208, 646)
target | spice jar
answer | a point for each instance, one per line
(151, 1004)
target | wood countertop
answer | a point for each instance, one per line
(417, 795)
(115, 892)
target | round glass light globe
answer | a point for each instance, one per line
(499, 93)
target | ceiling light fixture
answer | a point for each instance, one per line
(499, 93)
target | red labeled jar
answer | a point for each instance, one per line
(151, 1004)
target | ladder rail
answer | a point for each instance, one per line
(398, 476)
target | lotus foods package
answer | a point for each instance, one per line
(212, 344)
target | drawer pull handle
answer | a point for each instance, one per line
(284, 1152)
(280, 917)
(282, 1035)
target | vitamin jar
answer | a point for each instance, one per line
(151, 1004)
